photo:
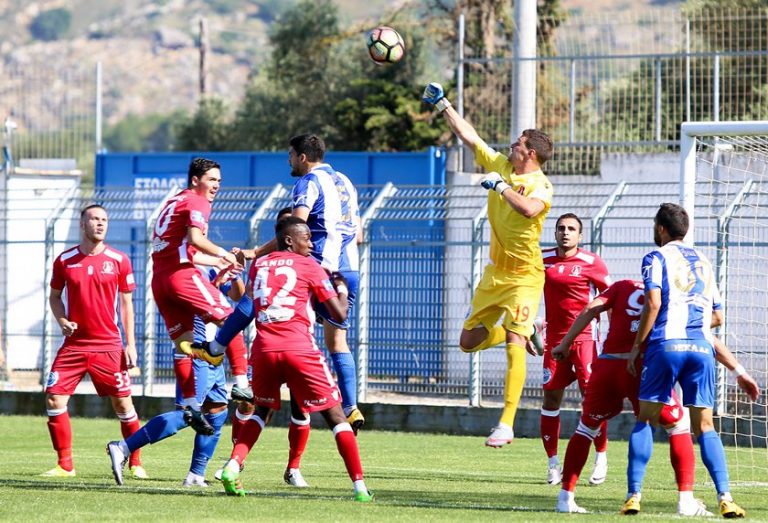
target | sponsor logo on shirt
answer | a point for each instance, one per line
(158, 245)
(197, 217)
(74, 266)
(90, 270)
(318, 401)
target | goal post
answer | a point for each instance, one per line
(724, 188)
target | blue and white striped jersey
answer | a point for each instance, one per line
(689, 293)
(334, 216)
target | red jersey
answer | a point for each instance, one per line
(91, 284)
(570, 284)
(625, 300)
(169, 239)
(283, 283)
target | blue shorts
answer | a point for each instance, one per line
(691, 363)
(353, 283)
(210, 383)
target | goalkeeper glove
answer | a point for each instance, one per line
(434, 95)
(494, 181)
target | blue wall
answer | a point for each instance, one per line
(263, 169)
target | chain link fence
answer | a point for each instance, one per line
(424, 250)
(624, 81)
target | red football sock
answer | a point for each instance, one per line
(575, 457)
(347, 445)
(185, 376)
(298, 436)
(246, 439)
(550, 430)
(683, 460)
(601, 440)
(128, 426)
(60, 429)
(238, 355)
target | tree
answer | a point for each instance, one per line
(154, 132)
(51, 25)
(207, 129)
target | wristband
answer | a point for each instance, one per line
(442, 104)
(222, 252)
(739, 370)
(342, 289)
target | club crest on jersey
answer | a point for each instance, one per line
(52, 379)
(108, 267)
(576, 270)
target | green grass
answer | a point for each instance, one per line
(416, 477)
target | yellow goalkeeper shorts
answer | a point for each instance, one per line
(515, 296)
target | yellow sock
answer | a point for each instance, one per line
(513, 386)
(495, 336)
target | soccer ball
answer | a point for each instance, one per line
(385, 45)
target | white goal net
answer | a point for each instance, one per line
(724, 184)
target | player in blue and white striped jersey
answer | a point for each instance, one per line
(681, 303)
(327, 201)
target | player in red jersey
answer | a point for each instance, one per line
(611, 383)
(573, 276)
(96, 277)
(178, 242)
(284, 351)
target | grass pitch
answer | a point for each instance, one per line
(416, 477)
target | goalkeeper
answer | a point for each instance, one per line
(519, 198)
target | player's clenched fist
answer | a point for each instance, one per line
(494, 182)
(434, 95)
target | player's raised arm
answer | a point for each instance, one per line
(434, 95)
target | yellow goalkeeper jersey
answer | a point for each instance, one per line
(514, 238)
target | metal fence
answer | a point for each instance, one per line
(423, 252)
(623, 81)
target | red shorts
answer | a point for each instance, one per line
(609, 385)
(559, 374)
(108, 371)
(306, 374)
(183, 294)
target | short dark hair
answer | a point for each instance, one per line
(283, 229)
(674, 219)
(198, 167)
(89, 207)
(571, 216)
(540, 142)
(284, 210)
(309, 144)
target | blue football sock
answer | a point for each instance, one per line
(713, 456)
(236, 322)
(157, 429)
(344, 365)
(205, 446)
(640, 450)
